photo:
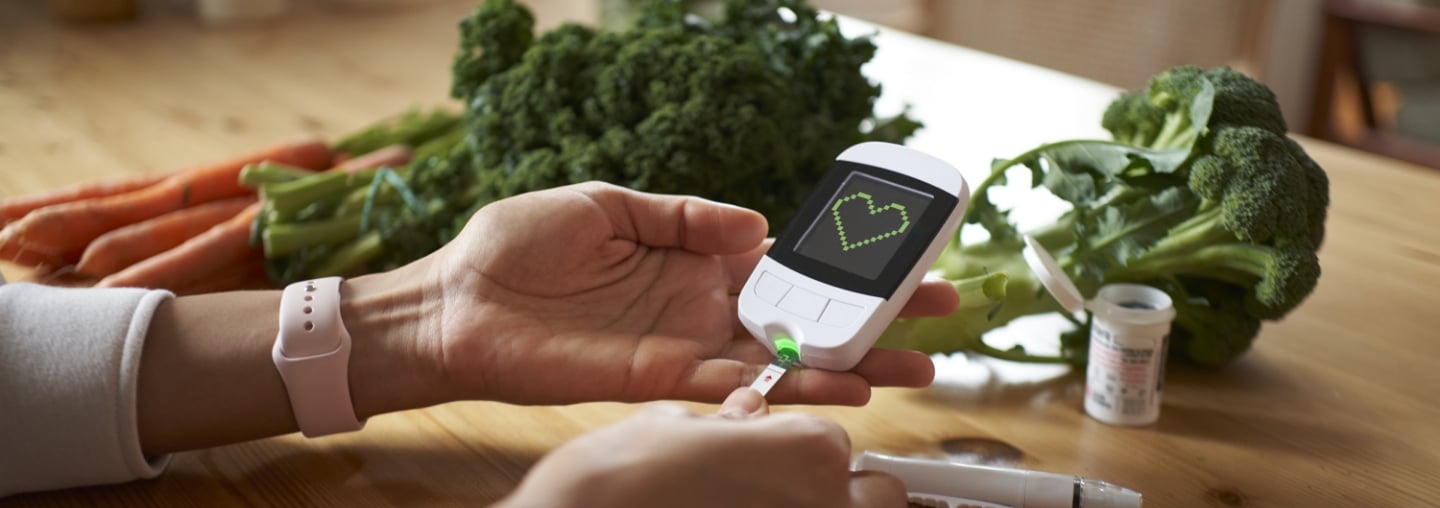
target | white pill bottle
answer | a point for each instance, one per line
(1129, 338)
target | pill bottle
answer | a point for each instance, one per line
(1129, 337)
(1124, 376)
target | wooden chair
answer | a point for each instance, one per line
(1345, 97)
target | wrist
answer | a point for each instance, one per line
(391, 367)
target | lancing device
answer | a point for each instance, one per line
(854, 253)
(947, 484)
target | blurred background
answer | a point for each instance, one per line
(1365, 73)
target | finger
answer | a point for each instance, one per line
(744, 403)
(896, 367)
(825, 387)
(744, 358)
(739, 266)
(746, 349)
(874, 489)
(687, 222)
(712, 380)
(879, 366)
(793, 428)
(934, 297)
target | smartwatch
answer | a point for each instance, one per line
(312, 353)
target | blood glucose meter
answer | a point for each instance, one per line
(853, 254)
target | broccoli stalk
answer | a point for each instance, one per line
(329, 223)
(286, 239)
(1199, 194)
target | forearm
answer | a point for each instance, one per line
(207, 378)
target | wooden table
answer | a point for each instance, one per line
(1336, 406)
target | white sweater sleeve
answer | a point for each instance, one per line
(69, 365)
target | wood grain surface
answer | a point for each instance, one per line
(1336, 406)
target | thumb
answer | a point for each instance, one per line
(744, 403)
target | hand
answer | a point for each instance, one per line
(583, 293)
(665, 455)
(594, 292)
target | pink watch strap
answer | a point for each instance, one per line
(312, 353)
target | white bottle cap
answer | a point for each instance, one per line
(1052, 276)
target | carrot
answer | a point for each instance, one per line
(14, 208)
(393, 155)
(207, 252)
(228, 243)
(123, 247)
(68, 227)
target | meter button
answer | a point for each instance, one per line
(839, 313)
(804, 303)
(770, 288)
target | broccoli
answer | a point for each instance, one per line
(1199, 194)
(749, 109)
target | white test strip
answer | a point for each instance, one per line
(767, 378)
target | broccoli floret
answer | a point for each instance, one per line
(1257, 186)
(1172, 111)
(1211, 324)
(1175, 92)
(1131, 119)
(1253, 226)
(1318, 193)
(492, 40)
(1240, 100)
(1199, 194)
(1180, 105)
(749, 109)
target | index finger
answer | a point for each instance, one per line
(687, 222)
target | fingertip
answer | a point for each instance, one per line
(946, 297)
(744, 402)
(897, 367)
(934, 298)
(739, 229)
(922, 374)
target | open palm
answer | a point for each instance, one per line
(594, 292)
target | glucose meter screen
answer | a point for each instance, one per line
(863, 225)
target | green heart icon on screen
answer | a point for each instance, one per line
(876, 214)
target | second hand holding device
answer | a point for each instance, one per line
(856, 250)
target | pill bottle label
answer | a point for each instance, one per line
(1124, 375)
